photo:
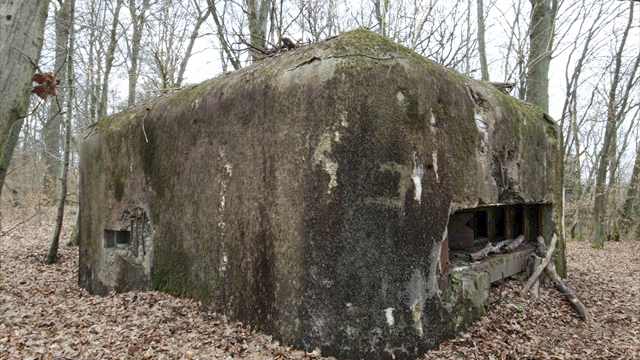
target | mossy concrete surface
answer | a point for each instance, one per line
(308, 195)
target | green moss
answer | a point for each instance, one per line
(171, 273)
(463, 297)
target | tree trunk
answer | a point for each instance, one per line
(599, 205)
(52, 256)
(258, 13)
(481, 46)
(540, 37)
(630, 198)
(138, 20)
(202, 16)
(113, 42)
(21, 36)
(51, 132)
(224, 44)
(381, 15)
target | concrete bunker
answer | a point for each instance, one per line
(313, 194)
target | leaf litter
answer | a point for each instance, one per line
(45, 315)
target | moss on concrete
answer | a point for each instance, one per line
(305, 195)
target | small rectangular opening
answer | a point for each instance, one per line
(123, 237)
(472, 228)
(109, 238)
(116, 238)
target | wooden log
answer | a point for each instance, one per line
(550, 270)
(489, 249)
(515, 243)
(582, 310)
(536, 284)
(543, 264)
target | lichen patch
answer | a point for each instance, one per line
(321, 156)
(416, 176)
(388, 313)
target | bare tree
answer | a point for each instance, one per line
(138, 13)
(631, 201)
(226, 51)
(109, 57)
(606, 153)
(51, 132)
(175, 28)
(52, 255)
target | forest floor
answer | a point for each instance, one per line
(43, 313)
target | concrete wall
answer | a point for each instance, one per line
(309, 194)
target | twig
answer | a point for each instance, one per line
(30, 59)
(143, 131)
(362, 55)
(18, 224)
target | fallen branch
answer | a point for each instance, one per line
(515, 243)
(18, 224)
(543, 264)
(582, 310)
(536, 283)
(489, 249)
(550, 270)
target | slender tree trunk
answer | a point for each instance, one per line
(599, 204)
(481, 46)
(202, 17)
(258, 13)
(21, 37)
(52, 256)
(381, 15)
(51, 132)
(630, 198)
(113, 42)
(138, 20)
(541, 36)
(224, 44)
(467, 55)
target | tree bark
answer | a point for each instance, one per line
(52, 256)
(52, 130)
(21, 37)
(381, 15)
(258, 13)
(540, 40)
(481, 46)
(630, 198)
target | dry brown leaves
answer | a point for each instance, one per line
(43, 314)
